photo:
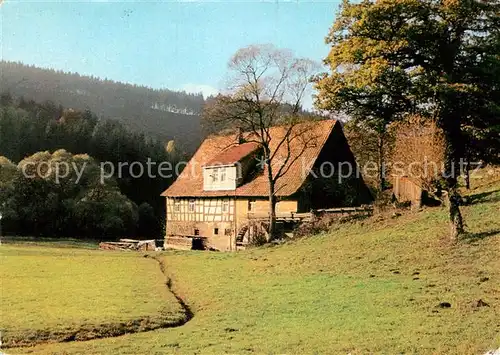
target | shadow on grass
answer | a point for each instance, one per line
(472, 237)
(483, 197)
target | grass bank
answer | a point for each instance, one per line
(385, 286)
(54, 293)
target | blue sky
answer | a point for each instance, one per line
(175, 45)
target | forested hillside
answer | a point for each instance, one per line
(45, 134)
(161, 114)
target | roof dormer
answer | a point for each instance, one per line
(227, 170)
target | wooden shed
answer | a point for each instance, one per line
(408, 190)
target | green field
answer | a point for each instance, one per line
(51, 290)
(373, 286)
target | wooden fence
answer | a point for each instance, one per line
(308, 216)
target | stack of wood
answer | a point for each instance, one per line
(129, 244)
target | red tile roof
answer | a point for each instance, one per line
(302, 158)
(234, 154)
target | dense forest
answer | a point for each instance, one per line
(162, 114)
(46, 133)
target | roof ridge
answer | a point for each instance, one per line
(190, 182)
(235, 133)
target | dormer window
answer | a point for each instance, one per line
(226, 170)
(215, 175)
(219, 178)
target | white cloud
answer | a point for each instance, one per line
(206, 90)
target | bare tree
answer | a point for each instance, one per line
(266, 89)
(419, 150)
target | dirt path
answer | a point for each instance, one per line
(106, 330)
(187, 310)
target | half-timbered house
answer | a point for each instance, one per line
(225, 188)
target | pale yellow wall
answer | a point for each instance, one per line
(230, 179)
(262, 206)
(241, 209)
(287, 206)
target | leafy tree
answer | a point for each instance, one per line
(441, 55)
(61, 194)
(149, 227)
(267, 86)
(8, 175)
(105, 212)
(371, 150)
(28, 127)
(373, 95)
(8, 171)
(6, 99)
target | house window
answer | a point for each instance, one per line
(216, 231)
(223, 174)
(177, 206)
(227, 231)
(215, 175)
(196, 232)
(225, 206)
(191, 205)
(251, 205)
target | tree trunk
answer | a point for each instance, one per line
(272, 199)
(381, 162)
(454, 152)
(467, 174)
(272, 213)
(456, 221)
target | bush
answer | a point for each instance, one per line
(324, 223)
(43, 203)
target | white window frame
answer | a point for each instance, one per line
(222, 174)
(192, 205)
(177, 206)
(215, 175)
(225, 206)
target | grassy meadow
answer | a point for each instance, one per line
(373, 286)
(60, 288)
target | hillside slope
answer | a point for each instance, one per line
(376, 286)
(163, 114)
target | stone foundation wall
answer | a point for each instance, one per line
(223, 240)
